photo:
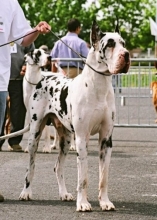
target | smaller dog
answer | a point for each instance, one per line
(35, 61)
(153, 86)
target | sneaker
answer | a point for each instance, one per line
(16, 148)
(1, 198)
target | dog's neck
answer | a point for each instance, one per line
(93, 62)
(101, 84)
(33, 73)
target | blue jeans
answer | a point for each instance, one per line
(3, 98)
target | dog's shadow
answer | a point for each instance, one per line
(132, 208)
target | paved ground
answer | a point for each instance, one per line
(132, 181)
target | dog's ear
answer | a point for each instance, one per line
(96, 34)
(117, 27)
(28, 58)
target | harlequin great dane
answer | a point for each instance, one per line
(35, 60)
(84, 105)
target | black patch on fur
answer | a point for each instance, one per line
(51, 91)
(63, 96)
(56, 90)
(37, 55)
(35, 95)
(50, 106)
(39, 85)
(58, 83)
(72, 128)
(46, 88)
(54, 77)
(86, 85)
(27, 183)
(106, 143)
(37, 134)
(110, 43)
(34, 117)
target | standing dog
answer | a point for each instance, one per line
(84, 105)
(35, 60)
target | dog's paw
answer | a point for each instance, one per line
(26, 150)
(26, 194)
(72, 148)
(107, 206)
(46, 149)
(53, 146)
(84, 207)
(67, 197)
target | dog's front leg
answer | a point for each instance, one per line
(64, 145)
(82, 165)
(104, 162)
(26, 193)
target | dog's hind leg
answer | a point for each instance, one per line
(35, 133)
(47, 146)
(56, 140)
(64, 145)
(73, 145)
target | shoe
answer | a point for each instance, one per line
(1, 198)
(16, 148)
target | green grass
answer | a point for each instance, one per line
(143, 79)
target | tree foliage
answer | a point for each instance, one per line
(133, 16)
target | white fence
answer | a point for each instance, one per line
(134, 107)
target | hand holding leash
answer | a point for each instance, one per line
(43, 27)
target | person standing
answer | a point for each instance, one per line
(13, 25)
(15, 88)
(60, 50)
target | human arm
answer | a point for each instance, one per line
(42, 28)
(84, 49)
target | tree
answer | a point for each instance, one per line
(133, 16)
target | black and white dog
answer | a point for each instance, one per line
(84, 105)
(35, 60)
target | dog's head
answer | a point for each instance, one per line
(110, 50)
(37, 57)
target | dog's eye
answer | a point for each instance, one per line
(123, 43)
(110, 43)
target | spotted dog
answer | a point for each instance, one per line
(84, 105)
(35, 60)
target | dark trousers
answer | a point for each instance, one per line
(17, 110)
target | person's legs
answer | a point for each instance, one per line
(17, 112)
(3, 98)
(72, 72)
(2, 130)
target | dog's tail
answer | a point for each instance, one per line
(17, 133)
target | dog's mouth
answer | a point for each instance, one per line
(122, 65)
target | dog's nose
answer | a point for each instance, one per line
(127, 56)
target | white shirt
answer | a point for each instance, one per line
(13, 25)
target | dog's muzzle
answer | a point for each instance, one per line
(122, 63)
